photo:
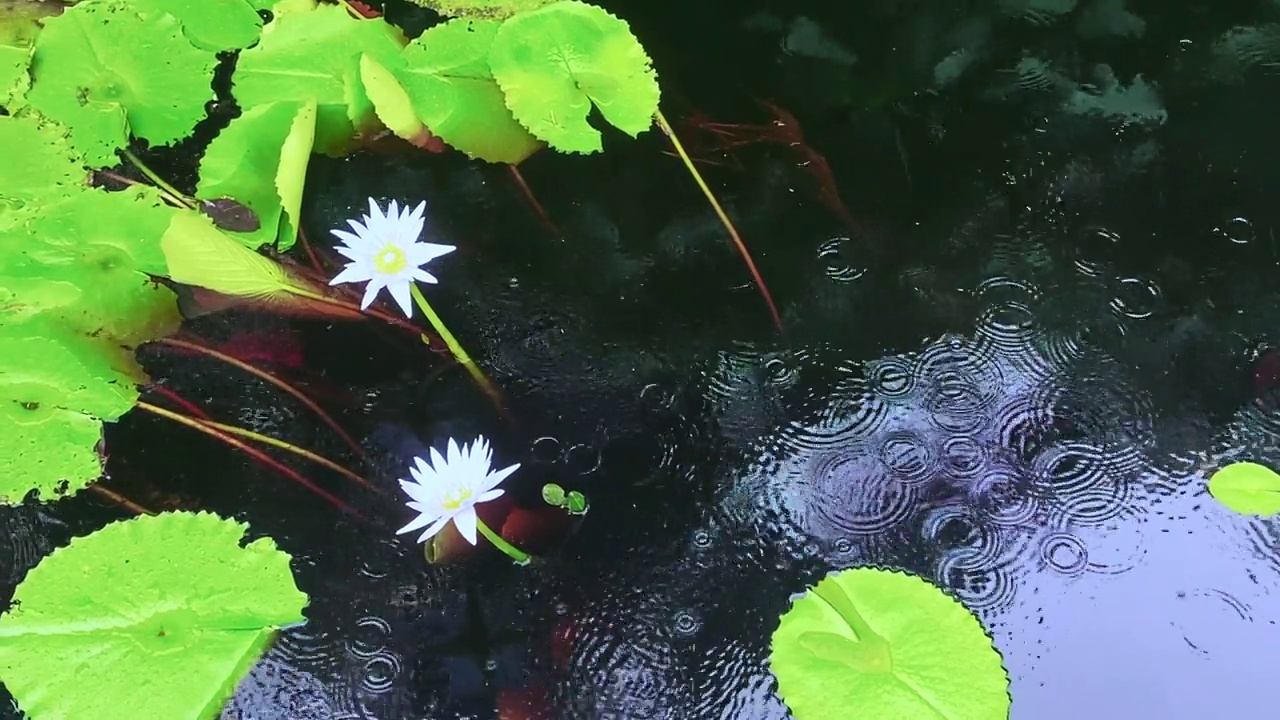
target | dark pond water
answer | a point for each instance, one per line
(1050, 303)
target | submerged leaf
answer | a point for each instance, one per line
(229, 214)
(314, 56)
(493, 9)
(1247, 488)
(446, 75)
(171, 609)
(555, 62)
(883, 645)
(103, 70)
(260, 160)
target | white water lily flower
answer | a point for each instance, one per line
(384, 250)
(451, 486)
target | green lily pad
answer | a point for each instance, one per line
(104, 70)
(1247, 488)
(314, 56)
(390, 100)
(201, 255)
(879, 645)
(19, 24)
(39, 168)
(214, 25)
(76, 298)
(555, 62)
(161, 615)
(445, 73)
(260, 160)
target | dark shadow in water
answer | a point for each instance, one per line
(1056, 311)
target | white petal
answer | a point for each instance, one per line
(419, 521)
(409, 229)
(418, 211)
(360, 232)
(371, 291)
(455, 455)
(353, 272)
(423, 276)
(417, 492)
(400, 291)
(353, 254)
(348, 240)
(426, 509)
(465, 521)
(375, 213)
(437, 461)
(436, 527)
(421, 253)
(484, 451)
(489, 495)
(423, 473)
(497, 477)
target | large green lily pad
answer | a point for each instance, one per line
(554, 63)
(879, 645)
(156, 617)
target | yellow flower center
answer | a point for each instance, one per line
(455, 497)
(389, 260)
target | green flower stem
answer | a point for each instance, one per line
(519, 556)
(452, 343)
(170, 191)
(724, 218)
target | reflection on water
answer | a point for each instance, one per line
(1013, 381)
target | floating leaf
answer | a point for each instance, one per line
(555, 62)
(446, 75)
(390, 101)
(14, 80)
(50, 446)
(494, 9)
(199, 254)
(314, 56)
(76, 298)
(1247, 488)
(19, 24)
(881, 645)
(260, 160)
(103, 70)
(38, 168)
(213, 25)
(162, 615)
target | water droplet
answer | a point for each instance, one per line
(380, 672)
(1065, 553)
(686, 623)
(835, 255)
(546, 450)
(1240, 231)
(1135, 298)
(582, 459)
